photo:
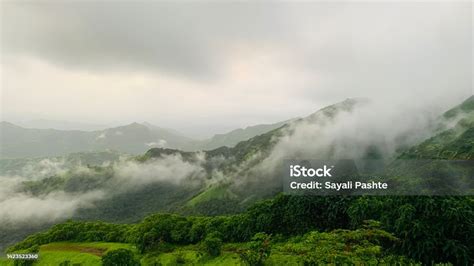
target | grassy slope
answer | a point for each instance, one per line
(87, 254)
(188, 256)
(213, 192)
(83, 253)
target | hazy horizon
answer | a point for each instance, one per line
(84, 126)
(206, 68)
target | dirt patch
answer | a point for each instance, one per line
(94, 251)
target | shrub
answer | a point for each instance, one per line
(258, 250)
(180, 258)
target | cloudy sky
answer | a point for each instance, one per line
(208, 67)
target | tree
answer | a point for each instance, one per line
(213, 244)
(120, 257)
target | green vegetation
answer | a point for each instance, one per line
(119, 257)
(258, 250)
(233, 137)
(213, 244)
(212, 193)
(410, 219)
(465, 107)
(68, 253)
(367, 244)
(456, 142)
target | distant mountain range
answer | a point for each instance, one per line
(135, 138)
(59, 124)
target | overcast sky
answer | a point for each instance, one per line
(206, 68)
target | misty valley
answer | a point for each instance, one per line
(226, 205)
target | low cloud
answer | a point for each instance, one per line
(23, 209)
(350, 133)
(44, 168)
(159, 144)
(19, 206)
(170, 168)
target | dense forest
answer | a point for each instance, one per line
(404, 231)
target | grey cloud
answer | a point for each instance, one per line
(347, 134)
(367, 46)
(391, 52)
(188, 38)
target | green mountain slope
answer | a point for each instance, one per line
(455, 142)
(242, 184)
(233, 137)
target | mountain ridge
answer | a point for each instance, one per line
(134, 138)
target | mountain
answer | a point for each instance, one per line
(135, 138)
(230, 139)
(60, 125)
(454, 139)
(243, 183)
(17, 142)
(466, 107)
